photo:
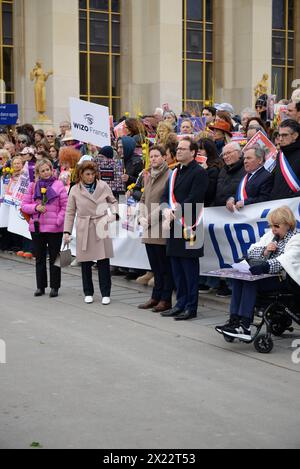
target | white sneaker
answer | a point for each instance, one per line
(106, 301)
(89, 300)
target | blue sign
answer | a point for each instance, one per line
(9, 114)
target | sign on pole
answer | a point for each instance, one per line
(90, 122)
(8, 114)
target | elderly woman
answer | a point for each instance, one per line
(95, 206)
(46, 202)
(267, 255)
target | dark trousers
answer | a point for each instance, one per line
(162, 270)
(186, 274)
(43, 244)
(244, 295)
(103, 275)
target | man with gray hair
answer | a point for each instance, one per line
(231, 175)
(256, 185)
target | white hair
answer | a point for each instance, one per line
(159, 111)
(249, 111)
(235, 146)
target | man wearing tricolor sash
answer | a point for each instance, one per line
(287, 171)
(256, 185)
(182, 206)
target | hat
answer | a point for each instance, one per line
(262, 100)
(221, 125)
(27, 150)
(225, 107)
(108, 152)
(85, 158)
(68, 137)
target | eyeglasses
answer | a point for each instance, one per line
(22, 141)
(182, 149)
(50, 136)
(228, 153)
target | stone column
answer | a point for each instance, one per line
(151, 55)
(243, 49)
(47, 31)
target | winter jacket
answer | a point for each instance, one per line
(228, 182)
(53, 220)
(133, 164)
(281, 189)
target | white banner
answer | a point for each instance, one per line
(4, 213)
(17, 223)
(227, 236)
(90, 122)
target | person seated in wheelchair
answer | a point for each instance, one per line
(277, 252)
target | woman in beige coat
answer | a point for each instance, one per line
(150, 220)
(95, 206)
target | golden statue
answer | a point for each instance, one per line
(40, 78)
(262, 86)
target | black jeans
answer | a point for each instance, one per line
(162, 270)
(44, 243)
(103, 275)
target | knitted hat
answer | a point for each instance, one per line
(107, 151)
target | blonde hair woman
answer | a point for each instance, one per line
(267, 255)
(46, 202)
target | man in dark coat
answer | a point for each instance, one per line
(230, 176)
(256, 186)
(287, 171)
(184, 195)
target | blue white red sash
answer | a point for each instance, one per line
(187, 230)
(290, 177)
(241, 193)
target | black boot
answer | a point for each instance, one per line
(53, 293)
(39, 292)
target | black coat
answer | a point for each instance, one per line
(213, 174)
(281, 189)
(228, 182)
(190, 188)
(259, 187)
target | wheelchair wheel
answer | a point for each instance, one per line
(279, 322)
(278, 327)
(263, 344)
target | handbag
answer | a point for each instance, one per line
(64, 258)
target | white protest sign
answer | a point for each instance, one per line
(17, 223)
(90, 122)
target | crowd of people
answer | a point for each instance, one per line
(163, 161)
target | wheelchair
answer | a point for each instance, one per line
(277, 311)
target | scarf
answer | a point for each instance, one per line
(90, 187)
(45, 184)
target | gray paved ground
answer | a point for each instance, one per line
(82, 376)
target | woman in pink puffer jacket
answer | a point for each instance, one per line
(46, 202)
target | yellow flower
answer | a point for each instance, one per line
(126, 114)
(7, 170)
(43, 190)
(12, 171)
(142, 190)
